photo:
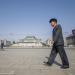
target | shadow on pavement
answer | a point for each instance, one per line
(55, 62)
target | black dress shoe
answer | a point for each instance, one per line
(47, 63)
(64, 67)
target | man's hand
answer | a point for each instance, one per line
(52, 42)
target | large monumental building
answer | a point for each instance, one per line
(28, 41)
(71, 39)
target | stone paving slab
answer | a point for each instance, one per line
(30, 62)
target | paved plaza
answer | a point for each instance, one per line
(30, 62)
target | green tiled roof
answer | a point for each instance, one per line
(30, 39)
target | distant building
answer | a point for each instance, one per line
(73, 31)
(6, 43)
(71, 39)
(29, 41)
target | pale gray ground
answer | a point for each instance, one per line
(30, 62)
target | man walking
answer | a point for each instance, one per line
(58, 45)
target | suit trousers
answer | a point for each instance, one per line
(58, 49)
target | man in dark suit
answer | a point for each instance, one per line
(58, 45)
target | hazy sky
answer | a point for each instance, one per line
(19, 18)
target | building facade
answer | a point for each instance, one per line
(6, 42)
(29, 41)
(71, 39)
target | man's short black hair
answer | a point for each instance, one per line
(53, 20)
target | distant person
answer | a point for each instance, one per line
(58, 45)
(2, 44)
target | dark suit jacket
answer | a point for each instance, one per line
(58, 36)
